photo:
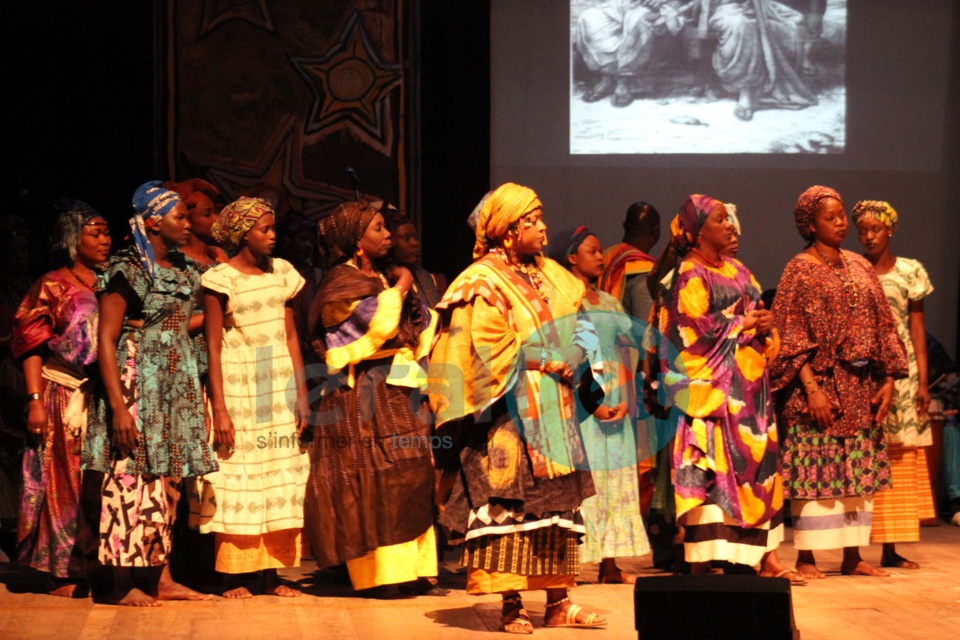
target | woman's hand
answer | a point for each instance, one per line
(611, 414)
(559, 369)
(764, 319)
(301, 411)
(125, 433)
(819, 407)
(223, 431)
(923, 399)
(882, 400)
(37, 419)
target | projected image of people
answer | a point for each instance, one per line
(707, 76)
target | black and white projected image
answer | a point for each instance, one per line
(707, 76)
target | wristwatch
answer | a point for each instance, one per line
(32, 396)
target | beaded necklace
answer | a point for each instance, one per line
(715, 265)
(81, 280)
(842, 271)
(531, 272)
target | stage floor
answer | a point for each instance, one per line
(922, 604)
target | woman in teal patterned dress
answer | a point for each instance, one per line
(611, 433)
(147, 431)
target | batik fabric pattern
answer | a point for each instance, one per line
(161, 358)
(61, 317)
(850, 352)
(725, 451)
(614, 527)
(260, 486)
(512, 496)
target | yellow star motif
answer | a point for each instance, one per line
(349, 82)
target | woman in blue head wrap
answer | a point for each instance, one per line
(147, 431)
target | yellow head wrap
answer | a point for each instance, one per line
(879, 209)
(507, 204)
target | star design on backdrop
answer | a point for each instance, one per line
(350, 86)
(216, 12)
(280, 167)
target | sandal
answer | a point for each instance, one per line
(592, 621)
(516, 617)
(795, 577)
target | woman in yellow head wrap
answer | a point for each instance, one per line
(897, 513)
(501, 384)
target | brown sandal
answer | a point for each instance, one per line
(516, 617)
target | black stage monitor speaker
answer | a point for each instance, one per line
(714, 607)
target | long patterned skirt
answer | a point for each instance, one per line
(53, 535)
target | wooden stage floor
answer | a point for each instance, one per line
(922, 604)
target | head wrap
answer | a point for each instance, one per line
(237, 218)
(193, 191)
(565, 243)
(393, 218)
(150, 200)
(507, 204)
(878, 209)
(807, 206)
(73, 215)
(686, 225)
(339, 232)
(732, 216)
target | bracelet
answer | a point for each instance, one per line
(32, 396)
(810, 381)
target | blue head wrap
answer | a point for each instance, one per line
(150, 200)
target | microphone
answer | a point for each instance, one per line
(356, 181)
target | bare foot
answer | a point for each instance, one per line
(281, 590)
(810, 571)
(132, 598)
(176, 591)
(237, 593)
(896, 561)
(863, 568)
(272, 586)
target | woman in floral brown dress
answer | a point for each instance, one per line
(834, 379)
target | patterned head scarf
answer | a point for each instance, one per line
(150, 201)
(339, 232)
(732, 216)
(73, 216)
(237, 218)
(807, 206)
(878, 209)
(686, 225)
(565, 243)
(507, 204)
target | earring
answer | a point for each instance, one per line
(507, 242)
(359, 252)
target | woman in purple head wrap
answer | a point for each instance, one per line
(834, 381)
(719, 341)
